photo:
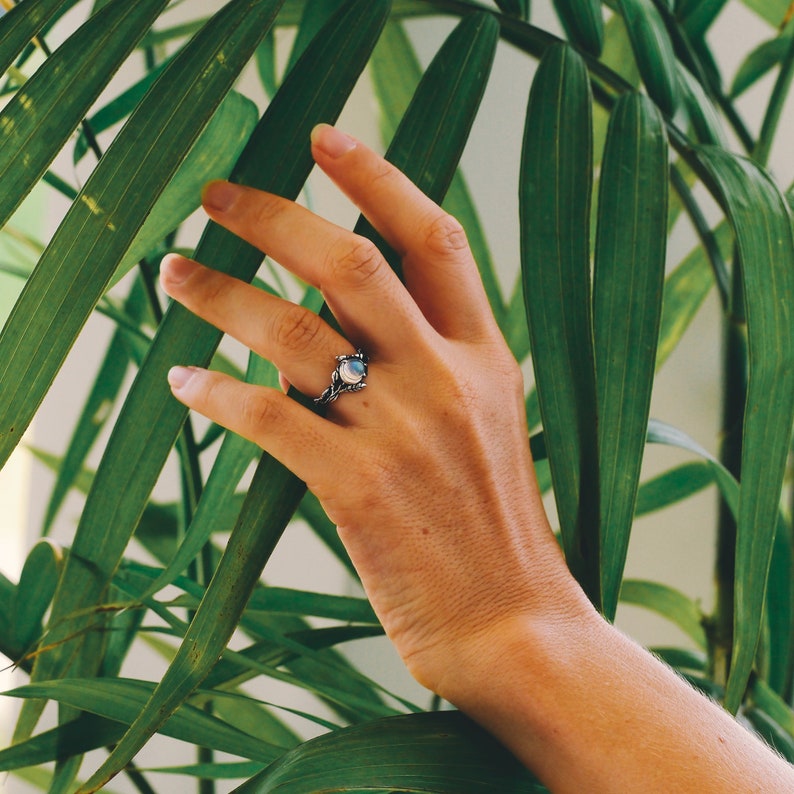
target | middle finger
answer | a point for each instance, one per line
(365, 295)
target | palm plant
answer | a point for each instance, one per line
(629, 128)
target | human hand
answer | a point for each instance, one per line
(426, 471)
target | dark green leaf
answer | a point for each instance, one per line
(441, 752)
(35, 591)
(21, 24)
(583, 22)
(780, 611)
(121, 699)
(42, 115)
(216, 770)
(763, 228)
(395, 74)
(653, 52)
(81, 259)
(703, 116)
(70, 739)
(117, 109)
(697, 16)
(554, 192)
(627, 304)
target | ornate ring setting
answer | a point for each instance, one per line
(349, 375)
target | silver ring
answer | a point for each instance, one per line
(349, 375)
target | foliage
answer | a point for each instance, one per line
(626, 113)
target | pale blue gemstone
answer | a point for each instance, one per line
(352, 371)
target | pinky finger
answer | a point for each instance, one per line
(304, 442)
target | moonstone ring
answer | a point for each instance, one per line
(349, 375)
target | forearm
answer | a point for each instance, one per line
(588, 710)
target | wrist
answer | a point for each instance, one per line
(516, 651)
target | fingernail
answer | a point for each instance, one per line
(175, 269)
(331, 141)
(179, 376)
(220, 195)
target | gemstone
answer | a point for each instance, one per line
(352, 371)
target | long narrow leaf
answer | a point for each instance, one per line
(81, 259)
(673, 486)
(43, 114)
(583, 21)
(21, 24)
(439, 752)
(627, 305)
(556, 182)
(121, 699)
(395, 73)
(653, 52)
(669, 603)
(762, 224)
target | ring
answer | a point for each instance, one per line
(349, 375)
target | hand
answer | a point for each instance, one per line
(426, 471)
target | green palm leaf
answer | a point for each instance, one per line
(438, 753)
(627, 304)
(762, 225)
(21, 24)
(121, 700)
(556, 182)
(653, 52)
(43, 113)
(83, 255)
(583, 21)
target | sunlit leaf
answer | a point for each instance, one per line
(41, 116)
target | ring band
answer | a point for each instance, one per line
(349, 375)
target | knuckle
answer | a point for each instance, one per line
(297, 329)
(260, 408)
(358, 263)
(215, 289)
(445, 236)
(264, 207)
(382, 170)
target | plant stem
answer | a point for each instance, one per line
(733, 406)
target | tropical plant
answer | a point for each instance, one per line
(629, 130)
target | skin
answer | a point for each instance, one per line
(437, 501)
